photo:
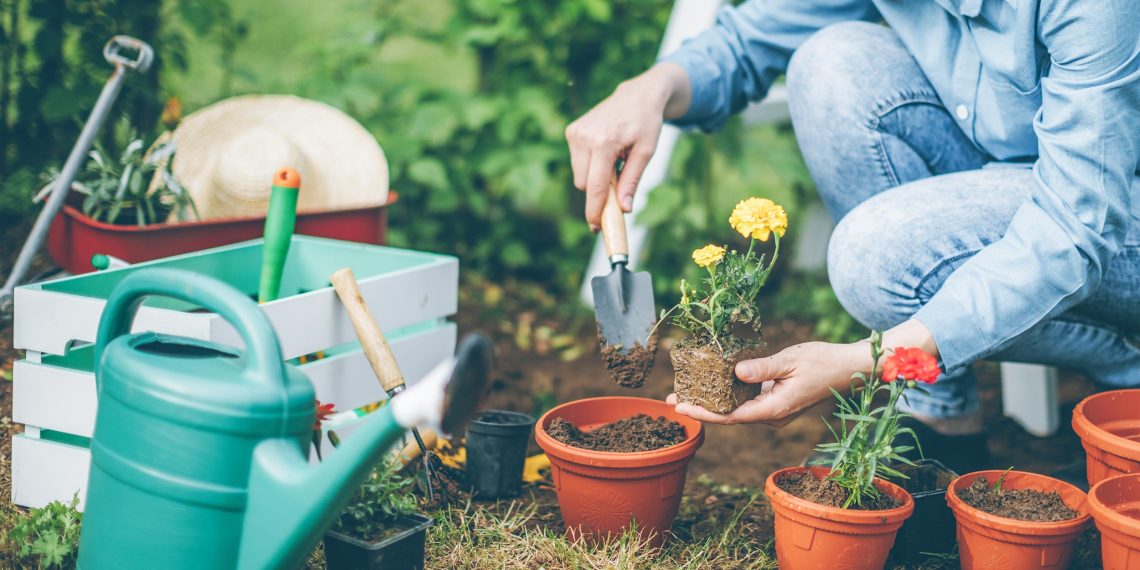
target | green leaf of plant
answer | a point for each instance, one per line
(430, 172)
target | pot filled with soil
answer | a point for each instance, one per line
(931, 528)
(719, 311)
(618, 461)
(1109, 428)
(814, 530)
(399, 546)
(496, 451)
(379, 527)
(1115, 506)
(1014, 519)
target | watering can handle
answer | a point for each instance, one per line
(263, 358)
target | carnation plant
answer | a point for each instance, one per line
(865, 444)
(710, 309)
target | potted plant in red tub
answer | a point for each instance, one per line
(712, 310)
(618, 462)
(1014, 519)
(846, 515)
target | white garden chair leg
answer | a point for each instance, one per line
(1029, 396)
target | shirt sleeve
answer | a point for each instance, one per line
(736, 61)
(1061, 240)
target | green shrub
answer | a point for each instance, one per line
(48, 537)
(384, 497)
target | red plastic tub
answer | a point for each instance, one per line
(74, 237)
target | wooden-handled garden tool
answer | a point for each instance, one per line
(623, 302)
(126, 54)
(377, 350)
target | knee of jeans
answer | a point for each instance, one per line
(863, 270)
(827, 70)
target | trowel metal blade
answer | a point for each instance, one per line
(623, 303)
(468, 383)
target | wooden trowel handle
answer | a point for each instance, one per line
(372, 340)
(613, 224)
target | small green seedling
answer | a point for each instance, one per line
(1001, 480)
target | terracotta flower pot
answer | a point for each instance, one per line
(1109, 428)
(990, 541)
(1115, 506)
(812, 536)
(602, 493)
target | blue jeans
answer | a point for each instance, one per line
(914, 198)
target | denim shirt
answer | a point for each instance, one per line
(1052, 83)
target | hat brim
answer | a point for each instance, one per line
(343, 166)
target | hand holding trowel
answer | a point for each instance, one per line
(624, 305)
(377, 351)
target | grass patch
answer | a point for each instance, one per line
(520, 535)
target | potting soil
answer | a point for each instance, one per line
(1019, 504)
(630, 369)
(827, 492)
(627, 435)
(706, 375)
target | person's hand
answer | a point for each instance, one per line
(801, 376)
(625, 125)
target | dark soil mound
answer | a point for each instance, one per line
(806, 485)
(1019, 504)
(627, 435)
(629, 369)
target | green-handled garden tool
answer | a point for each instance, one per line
(623, 300)
(279, 223)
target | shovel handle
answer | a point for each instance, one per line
(613, 225)
(372, 340)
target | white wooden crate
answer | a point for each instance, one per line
(411, 293)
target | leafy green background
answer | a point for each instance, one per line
(468, 98)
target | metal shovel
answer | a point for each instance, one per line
(377, 351)
(114, 53)
(623, 301)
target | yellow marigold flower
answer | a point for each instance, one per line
(708, 255)
(757, 218)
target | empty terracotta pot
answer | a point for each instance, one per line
(1109, 427)
(811, 536)
(1115, 506)
(602, 493)
(990, 541)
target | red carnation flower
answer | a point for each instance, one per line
(323, 413)
(911, 364)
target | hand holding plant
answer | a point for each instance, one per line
(712, 310)
(865, 442)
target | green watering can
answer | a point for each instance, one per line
(200, 452)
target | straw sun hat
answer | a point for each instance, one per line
(226, 154)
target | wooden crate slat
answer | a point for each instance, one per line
(63, 399)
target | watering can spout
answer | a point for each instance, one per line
(291, 503)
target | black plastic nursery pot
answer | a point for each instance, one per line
(402, 551)
(931, 529)
(496, 451)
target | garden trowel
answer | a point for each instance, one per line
(376, 349)
(623, 300)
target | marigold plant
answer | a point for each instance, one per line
(865, 445)
(727, 296)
